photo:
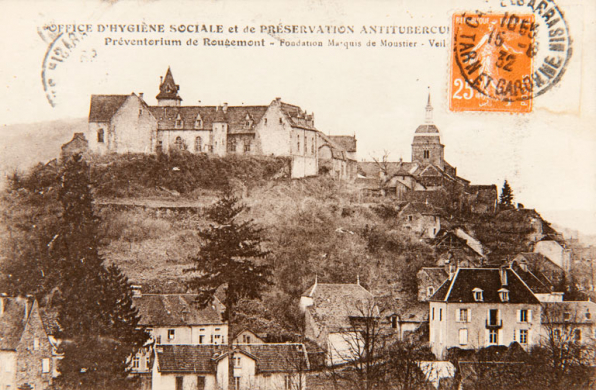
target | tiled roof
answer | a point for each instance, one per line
(235, 116)
(372, 169)
(278, 357)
(460, 288)
(337, 152)
(103, 107)
(417, 312)
(579, 312)
(175, 310)
(13, 320)
(347, 142)
(420, 208)
(532, 281)
(297, 117)
(437, 275)
(202, 359)
(333, 304)
(198, 359)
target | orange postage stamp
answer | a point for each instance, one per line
(492, 62)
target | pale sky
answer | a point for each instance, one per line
(378, 93)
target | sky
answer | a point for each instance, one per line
(548, 156)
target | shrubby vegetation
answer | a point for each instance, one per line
(181, 172)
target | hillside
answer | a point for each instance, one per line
(152, 207)
(23, 145)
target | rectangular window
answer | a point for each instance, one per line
(433, 313)
(493, 336)
(237, 361)
(200, 382)
(179, 383)
(523, 315)
(463, 315)
(171, 334)
(158, 339)
(247, 147)
(463, 336)
(45, 365)
(523, 336)
(493, 316)
(577, 335)
(136, 362)
(202, 339)
(237, 378)
(440, 314)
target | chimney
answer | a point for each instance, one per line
(26, 308)
(503, 275)
(141, 95)
(160, 80)
(358, 279)
(225, 108)
(136, 290)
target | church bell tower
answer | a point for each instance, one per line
(426, 147)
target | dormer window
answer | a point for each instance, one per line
(504, 295)
(477, 295)
(179, 122)
(199, 122)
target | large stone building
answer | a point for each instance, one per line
(25, 349)
(429, 177)
(126, 124)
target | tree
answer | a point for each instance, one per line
(564, 358)
(506, 198)
(230, 259)
(99, 325)
(368, 354)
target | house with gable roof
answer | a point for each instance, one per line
(333, 313)
(25, 350)
(422, 218)
(480, 307)
(126, 124)
(205, 367)
(175, 319)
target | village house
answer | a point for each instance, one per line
(205, 367)
(25, 350)
(480, 307)
(458, 248)
(428, 177)
(556, 251)
(126, 124)
(543, 288)
(174, 319)
(421, 218)
(333, 313)
(569, 321)
(430, 279)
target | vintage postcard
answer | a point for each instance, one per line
(408, 180)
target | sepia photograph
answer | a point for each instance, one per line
(298, 195)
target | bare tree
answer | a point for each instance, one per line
(564, 354)
(370, 355)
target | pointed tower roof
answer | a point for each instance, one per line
(427, 132)
(168, 89)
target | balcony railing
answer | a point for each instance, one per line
(494, 324)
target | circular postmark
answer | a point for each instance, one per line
(512, 57)
(61, 47)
